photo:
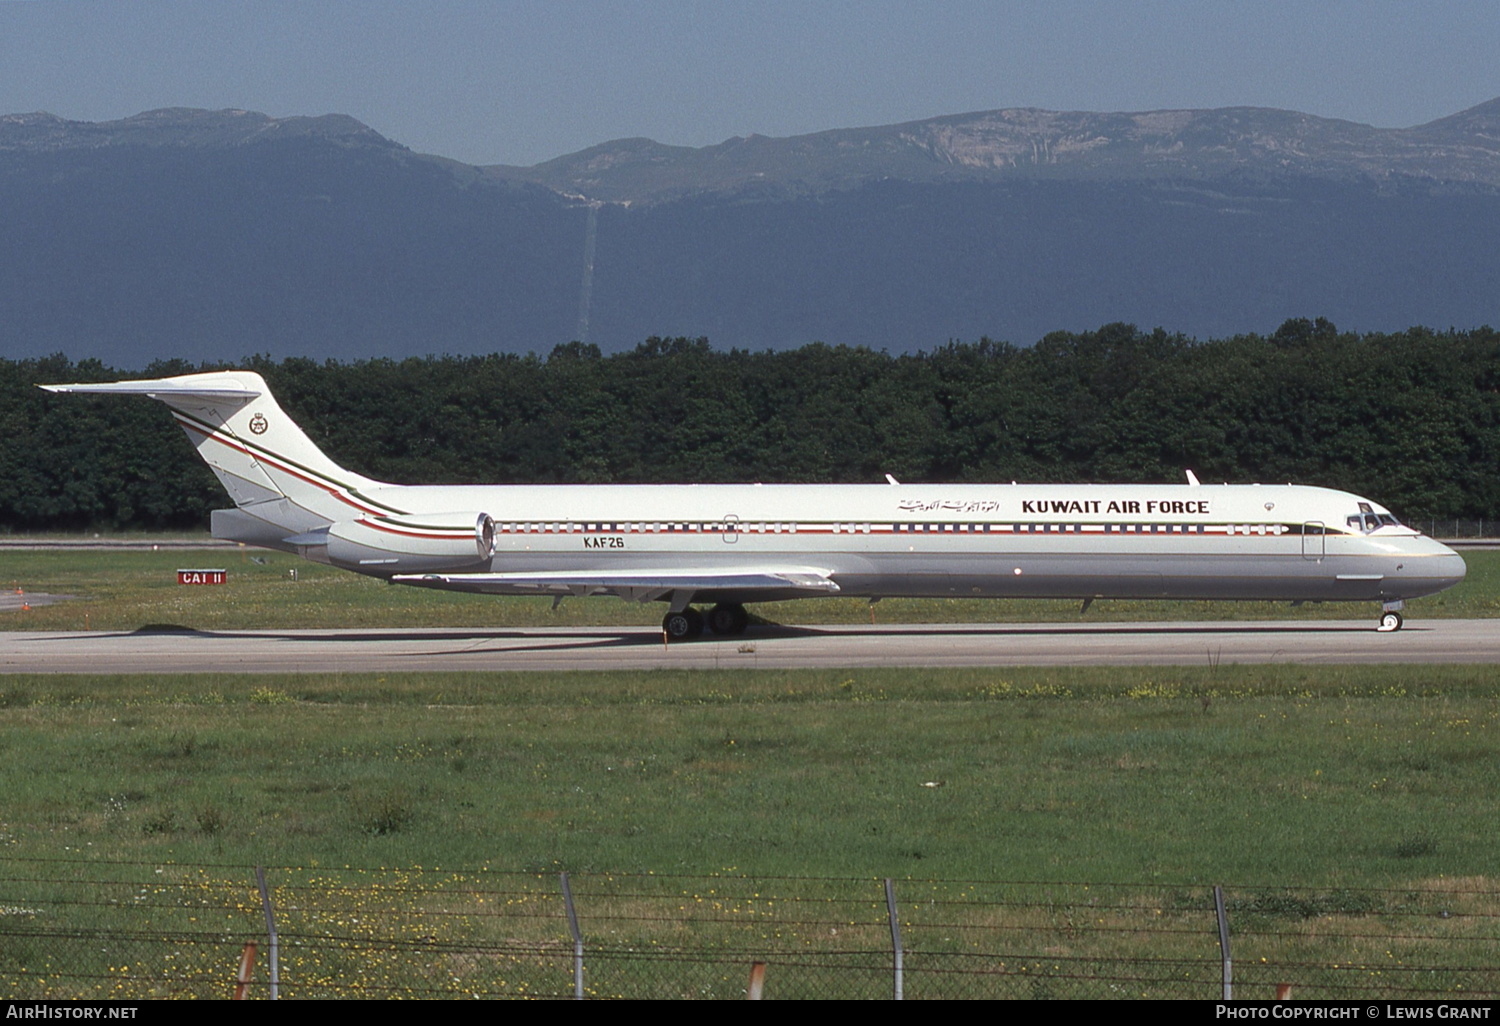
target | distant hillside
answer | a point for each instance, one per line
(217, 234)
(1006, 145)
(204, 234)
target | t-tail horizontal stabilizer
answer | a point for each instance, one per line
(174, 391)
(270, 468)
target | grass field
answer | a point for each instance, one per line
(1265, 775)
(1330, 778)
(1269, 774)
(125, 590)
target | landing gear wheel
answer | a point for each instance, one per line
(1390, 622)
(684, 625)
(729, 618)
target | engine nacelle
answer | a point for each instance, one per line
(408, 543)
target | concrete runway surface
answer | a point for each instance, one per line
(600, 648)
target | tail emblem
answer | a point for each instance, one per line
(258, 424)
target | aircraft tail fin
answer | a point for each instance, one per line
(267, 464)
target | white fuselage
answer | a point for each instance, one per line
(1078, 541)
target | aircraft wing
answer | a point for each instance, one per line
(746, 584)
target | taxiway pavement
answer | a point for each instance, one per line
(18, 600)
(502, 649)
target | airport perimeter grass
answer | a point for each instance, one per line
(125, 590)
(1268, 776)
(1256, 777)
(162, 790)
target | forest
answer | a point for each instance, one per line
(1411, 419)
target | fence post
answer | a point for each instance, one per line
(247, 963)
(577, 938)
(890, 908)
(757, 981)
(1224, 942)
(275, 959)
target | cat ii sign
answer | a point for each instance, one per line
(201, 577)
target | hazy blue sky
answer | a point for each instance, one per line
(520, 82)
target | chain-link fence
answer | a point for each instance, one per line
(1458, 530)
(87, 929)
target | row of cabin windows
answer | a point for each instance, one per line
(688, 527)
(942, 528)
(1110, 528)
(736, 527)
(951, 528)
(656, 527)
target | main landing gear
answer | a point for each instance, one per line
(1390, 619)
(724, 619)
(727, 619)
(682, 626)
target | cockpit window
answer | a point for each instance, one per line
(1367, 520)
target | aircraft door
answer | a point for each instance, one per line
(731, 531)
(1314, 541)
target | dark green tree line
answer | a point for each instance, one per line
(1411, 419)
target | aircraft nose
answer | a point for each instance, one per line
(1450, 569)
(1426, 568)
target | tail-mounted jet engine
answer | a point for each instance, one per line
(403, 544)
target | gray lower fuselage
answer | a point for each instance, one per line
(1338, 568)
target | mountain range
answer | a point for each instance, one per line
(1007, 145)
(217, 234)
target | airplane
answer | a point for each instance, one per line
(728, 545)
